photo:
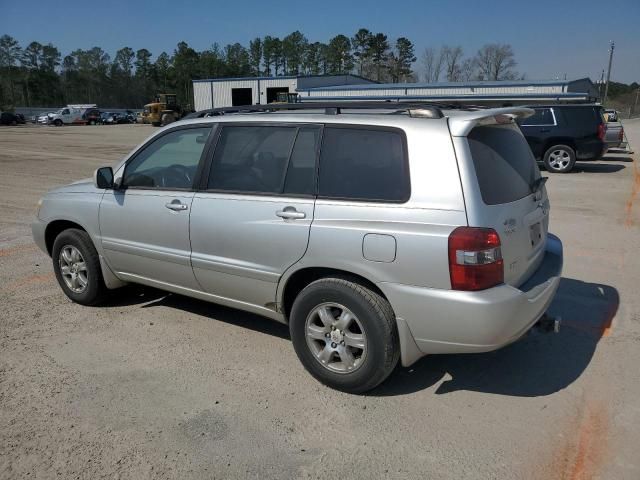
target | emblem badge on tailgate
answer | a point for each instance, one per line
(509, 225)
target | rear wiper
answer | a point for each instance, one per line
(538, 183)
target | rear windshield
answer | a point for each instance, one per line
(504, 164)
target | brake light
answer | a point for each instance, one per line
(475, 258)
(621, 134)
(602, 130)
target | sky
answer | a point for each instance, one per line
(550, 39)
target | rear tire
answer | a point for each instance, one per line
(344, 334)
(77, 267)
(559, 159)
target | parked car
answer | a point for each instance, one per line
(107, 118)
(44, 118)
(393, 237)
(615, 131)
(92, 116)
(8, 118)
(561, 134)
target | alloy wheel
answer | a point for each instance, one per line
(336, 338)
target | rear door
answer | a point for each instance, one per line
(251, 219)
(500, 173)
(538, 128)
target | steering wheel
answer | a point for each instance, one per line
(182, 173)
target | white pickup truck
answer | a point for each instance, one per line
(69, 115)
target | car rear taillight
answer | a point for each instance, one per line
(602, 130)
(475, 258)
(621, 134)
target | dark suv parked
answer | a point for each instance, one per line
(561, 134)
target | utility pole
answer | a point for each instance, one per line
(606, 86)
(600, 85)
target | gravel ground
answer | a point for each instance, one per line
(161, 386)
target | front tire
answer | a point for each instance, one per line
(559, 159)
(344, 334)
(57, 123)
(77, 267)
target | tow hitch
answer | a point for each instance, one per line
(549, 324)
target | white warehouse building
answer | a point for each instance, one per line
(232, 92)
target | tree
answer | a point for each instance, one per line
(268, 53)
(162, 69)
(361, 45)
(339, 56)
(255, 56)
(124, 60)
(32, 55)
(185, 66)
(237, 60)
(213, 63)
(50, 58)
(401, 59)
(379, 51)
(433, 62)
(496, 62)
(293, 48)
(452, 57)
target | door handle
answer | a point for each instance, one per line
(290, 213)
(545, 130)
(176, 206)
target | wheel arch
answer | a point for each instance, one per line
(55, 228)
(568, 141)
(299, 279)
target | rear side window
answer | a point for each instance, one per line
(504, 164)
(543, 116)
(582, 117)
(364, 164)
(265, 159)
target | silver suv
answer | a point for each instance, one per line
(376, 235)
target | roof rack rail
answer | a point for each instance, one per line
(427, 109)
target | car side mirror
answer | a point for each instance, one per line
(103, 178)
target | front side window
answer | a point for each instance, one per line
(265, 159)
(169, 162)
(363, 164)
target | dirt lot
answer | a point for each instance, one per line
(161, 386)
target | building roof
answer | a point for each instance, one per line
(472, 84)
(286, 77)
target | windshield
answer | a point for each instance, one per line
(504, 164)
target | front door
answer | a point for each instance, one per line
(145, 224)
(251, 220)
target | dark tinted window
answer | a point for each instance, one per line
(302, 165)
(504, 164)
(543, 116)
(170, 161)
(252, 159)
(363, 164)
(582, 117)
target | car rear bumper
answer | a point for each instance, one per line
(450, 321)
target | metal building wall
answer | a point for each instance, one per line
(201, 95)
(445, 91)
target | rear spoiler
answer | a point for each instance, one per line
(461, 123)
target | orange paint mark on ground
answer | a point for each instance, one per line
(628, 221)
(586, 444)
(28, 281)
(5, 252)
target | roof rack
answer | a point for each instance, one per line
(415, 108)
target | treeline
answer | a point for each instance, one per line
(39, 75)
